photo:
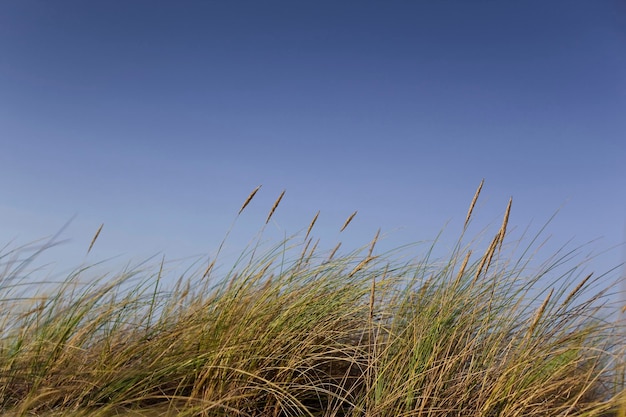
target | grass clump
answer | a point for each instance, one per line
(314, 335)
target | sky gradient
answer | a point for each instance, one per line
(158, 119)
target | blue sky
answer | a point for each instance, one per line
(158, 118)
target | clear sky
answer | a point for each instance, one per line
(158, 118)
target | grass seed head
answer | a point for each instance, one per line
(95, 237)
(373, 243)
(473, 203)
(347, 222)
(308, 230)
(334, 251)
(250, 197)
(505, 222)
(276, 203)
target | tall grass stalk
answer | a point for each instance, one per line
(313, 334)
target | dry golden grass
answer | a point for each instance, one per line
(359, 334)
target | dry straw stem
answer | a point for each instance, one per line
(372, 298)
(305, 250)
(276, 203)
(305, 258)
(347, 222)
(209, 268)
(313, 249)
(95, 237)
(250, 197)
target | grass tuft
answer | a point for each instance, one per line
(294, 331)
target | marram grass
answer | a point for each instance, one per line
(296, 332)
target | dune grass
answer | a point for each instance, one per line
(292, 331)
